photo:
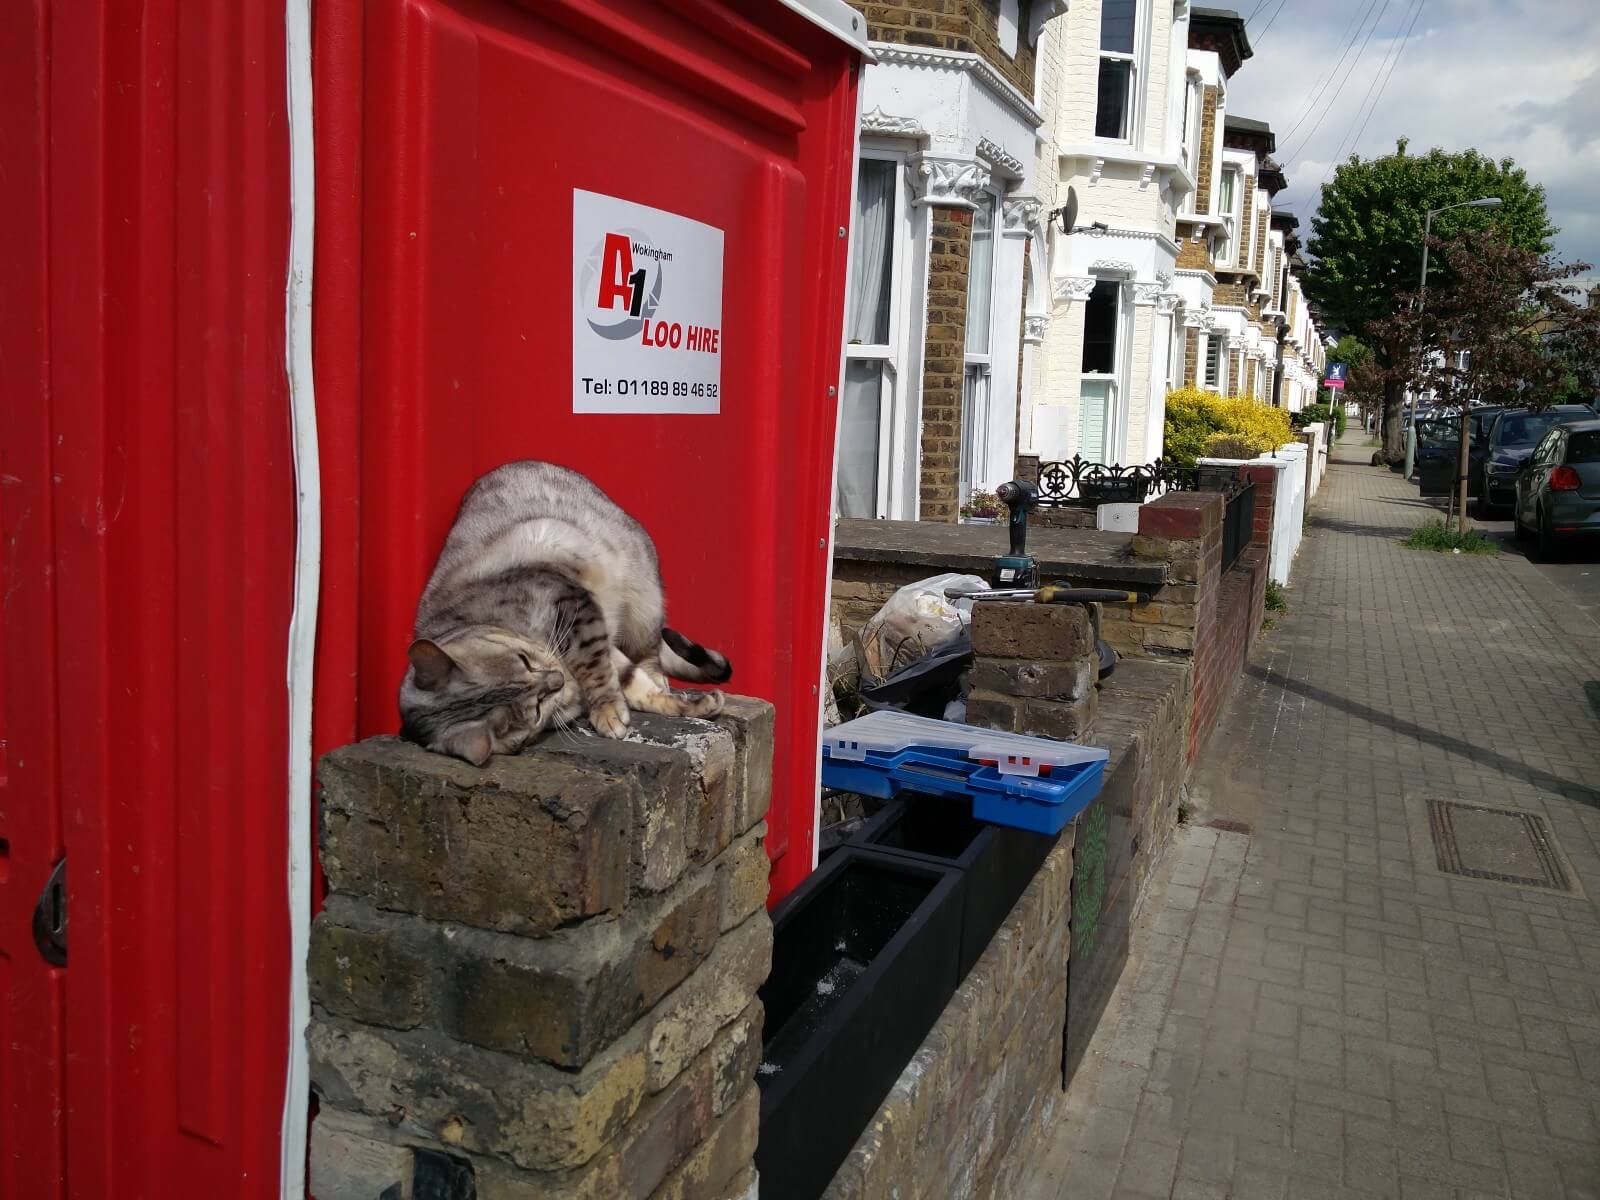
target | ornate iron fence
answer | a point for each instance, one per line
(1085, 484)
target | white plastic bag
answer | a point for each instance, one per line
(916, 621)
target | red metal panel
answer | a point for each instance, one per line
(148, 522)
(476, 121)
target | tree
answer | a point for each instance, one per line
(1366, 243)
(1362, 386)
(1499, 329)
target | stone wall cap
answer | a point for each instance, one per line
(1086, 555)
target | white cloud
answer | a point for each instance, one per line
(1517, 78)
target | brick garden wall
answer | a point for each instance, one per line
(943, 363)
(1203, 615)
(539, 978)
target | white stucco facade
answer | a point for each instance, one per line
(1110, 405)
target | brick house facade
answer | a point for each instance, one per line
(943, 314)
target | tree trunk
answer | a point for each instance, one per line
(1394, 441)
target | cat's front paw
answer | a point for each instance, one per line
(610, 718)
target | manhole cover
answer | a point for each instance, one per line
(1496, 843)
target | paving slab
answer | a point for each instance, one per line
(1378, 973)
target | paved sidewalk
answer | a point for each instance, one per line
(1313, 1009)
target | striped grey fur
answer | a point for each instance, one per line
(545, 604)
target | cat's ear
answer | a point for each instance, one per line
(430, 665)
(474, 744)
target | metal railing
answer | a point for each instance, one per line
(1081, 483)
(1238, 524)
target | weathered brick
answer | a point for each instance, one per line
(1045, 680)
(994, 710)
(362, 965)
(713, 794)
(687, 1020)
(752, 723)
(1067, 720)
(352, 1160)
(1054, 632)
(533, 1114)
(735, 1054)
(525, 843)
(743, 878)
(664, 791)
(718, 1167)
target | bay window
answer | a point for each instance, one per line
(867, 407)
(1119, 73)
(979, 337)
(1103, 325)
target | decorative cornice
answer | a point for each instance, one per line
(1113, 266)
(1138, 235)
(962, 62)
(993, 154)
(1147, 293)
(1073, 287)
(1020, 215)
(1167, 303)
(1205, 277)
(1034, 326)
(947, 182)
(879, 122)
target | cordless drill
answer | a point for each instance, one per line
(1017, 569)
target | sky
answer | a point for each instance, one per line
(1507, 77)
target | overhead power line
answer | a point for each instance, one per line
(1399, 50)
(1350, 34)
(1282, 4)
(1327, 108)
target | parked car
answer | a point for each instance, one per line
(1512, 437)
(1558, 492)
(1438, 449)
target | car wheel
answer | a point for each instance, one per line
(1547, 537)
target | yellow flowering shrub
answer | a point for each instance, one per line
(1195, 418)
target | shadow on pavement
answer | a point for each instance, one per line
(1476, 753)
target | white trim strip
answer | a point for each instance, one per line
(307, 578)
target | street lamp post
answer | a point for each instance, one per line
(1422, 304)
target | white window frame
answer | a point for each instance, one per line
(1233, 219)
(1121, 356)
(893, 412)
(1189, 130)
(977, 369)
(1220, 342)
(1177, 344)
(1133, 112)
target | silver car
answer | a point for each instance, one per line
(1558, 491)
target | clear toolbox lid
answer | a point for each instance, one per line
(1012, 753)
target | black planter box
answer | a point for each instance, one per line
(864, 959)
(996, 863)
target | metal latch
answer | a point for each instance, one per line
(50, 918)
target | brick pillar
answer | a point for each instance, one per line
(1208, 136)
(1034, 669)
(943, 363)
(538, 979)
(1191, 358)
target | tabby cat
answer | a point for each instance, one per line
(545, 604)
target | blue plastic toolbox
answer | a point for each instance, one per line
(1022, 782)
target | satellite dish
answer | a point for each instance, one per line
(1069, 214)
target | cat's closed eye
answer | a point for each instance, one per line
(527, 662)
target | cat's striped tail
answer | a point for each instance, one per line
(690, 661)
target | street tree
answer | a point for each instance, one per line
(1366, 244)
(1500, 328)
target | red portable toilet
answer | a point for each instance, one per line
(610, 235)
(160, 504)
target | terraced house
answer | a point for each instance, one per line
(979, 325)
(947, 274)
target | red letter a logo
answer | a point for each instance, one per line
(616, 264)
